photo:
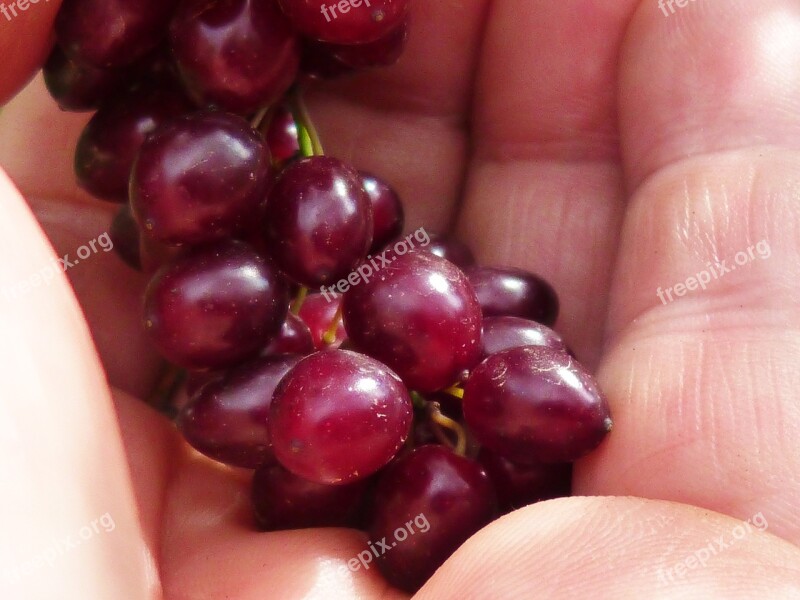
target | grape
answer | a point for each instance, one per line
(108, 144)
(319, 221)
(318, 314)
(78, 87)
(387, 210)
(518, 486)
(451, 249)
(440, 496)
(514, 293)
(381, 53)
(283, 500)
(215, 306)
(535, 405)
(227, 418)
(502, 333)
(282, 136)
(239, 55)
(111, 33)
(125, 236)
(420, 316)
(293, 338)
(199, 178)
(339, 416)
(346, 22)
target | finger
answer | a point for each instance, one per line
(67, 508)
(544, 191)
(704, 383)
(25, 39)
(618, 548)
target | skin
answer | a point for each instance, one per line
(612, 150)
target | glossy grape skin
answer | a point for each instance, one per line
(227, 418)
(450, 493)
(282, 500)
(502, 333)
(339, 416)
(111, 33)
(293, 338)
(239, 55)
(215, 306)
(319, 222)
(387, 211)
(78, 87)
(514, 293)
(125, 236)
(420, 316)
(521, 485)
(451, 249)
(318, 314)
(535, 405)
(199, 178)
(281, 136)
(381, 53)
(108, 144)
(360, 24)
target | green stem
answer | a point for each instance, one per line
(310, 144)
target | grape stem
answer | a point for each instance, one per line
(455, 391)
(329, 337)
(440, 420)
(299, 300)
(310, 144)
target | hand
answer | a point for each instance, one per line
(612, 149)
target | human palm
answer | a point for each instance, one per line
(607, 147)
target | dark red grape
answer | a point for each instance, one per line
(420, 316)
(125, 235)
(215, 306)
(283, 500)
(518, 486)
(381, 53)
(319, 221)
(199, 178)
(236, 54)
(318, 313)
(78, 87)
(502, 333)
(427, 504)
(387, 211)
(227, 418)
(514, 293)
(345, 22)
(109, 142)
(339, 416)
(293, 338)
(155, 255)
(281, 136)
(535, 405)
(111, 33)
(451, 249)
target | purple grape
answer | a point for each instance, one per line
(239, 55)
(442, 498)
(125, 236)
(387, 211)
(109, 142)
(518, 486)
(282, 136)
(380, 53)
(283, 500)
(319, 221)
(78, 87)
(293, 338)
(111, 33)
(535, 405)
(318, 313)
(339, 416)
(227, 419)
(451, 249)
(502, 333)
(215, 306)
(420, 316)
(514, 293)
(346, 22)
(199, 178)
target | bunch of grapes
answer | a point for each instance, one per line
(435, 387)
